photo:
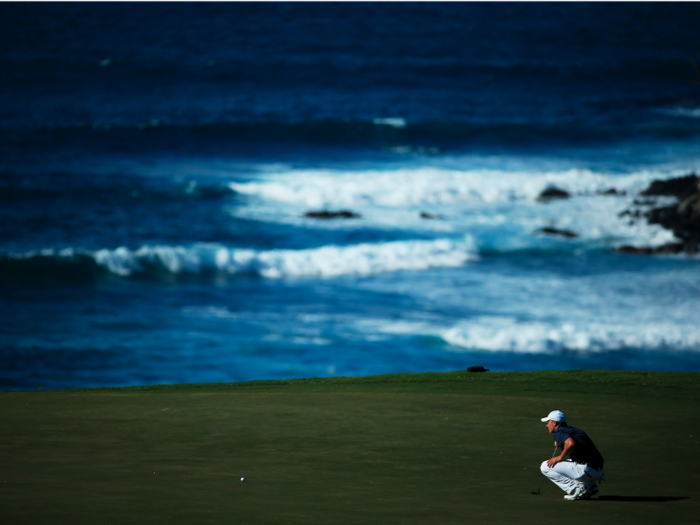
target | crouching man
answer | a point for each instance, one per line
(579, 468)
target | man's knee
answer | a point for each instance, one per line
(544, 468)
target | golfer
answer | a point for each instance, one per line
(579, 468)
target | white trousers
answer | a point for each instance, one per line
(569, 475)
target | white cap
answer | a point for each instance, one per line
(555, 415)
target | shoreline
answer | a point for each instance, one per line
(648, 384)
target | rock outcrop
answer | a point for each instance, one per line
(679, 187)
(611, 191)
(555, 231)
(325, 214)
(682, 217)
(552, 193)
(426, 215)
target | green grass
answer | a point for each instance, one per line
(411, 448)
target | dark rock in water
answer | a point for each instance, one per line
(552, 193)
(342, 214)
(666, 216)
(683, 219)
(477, 369)
(611, 191)
(680, 187)
(555, 231)
(426, 215)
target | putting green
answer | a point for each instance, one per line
(428, 448)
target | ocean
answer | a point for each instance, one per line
(165, 169)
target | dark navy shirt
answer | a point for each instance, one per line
(584, 450)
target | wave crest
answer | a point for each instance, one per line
(326, 261)
(423, 187)
(510, 335)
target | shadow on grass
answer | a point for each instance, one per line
(656, 499)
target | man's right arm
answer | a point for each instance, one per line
(567, 449)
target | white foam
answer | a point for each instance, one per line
(359, 259)
(394, 122)
(425, 186)
(499, 208)
(512, 335)
(681, 111)
(583, 332)
(175, 259)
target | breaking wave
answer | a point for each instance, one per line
(427, 186)
(203, 259)
(508, 334)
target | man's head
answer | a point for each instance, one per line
(554, 420)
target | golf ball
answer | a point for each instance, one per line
(242, 479)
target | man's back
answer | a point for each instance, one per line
(585, 450)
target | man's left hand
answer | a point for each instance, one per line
(553, 461)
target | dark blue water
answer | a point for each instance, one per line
(157, 161)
